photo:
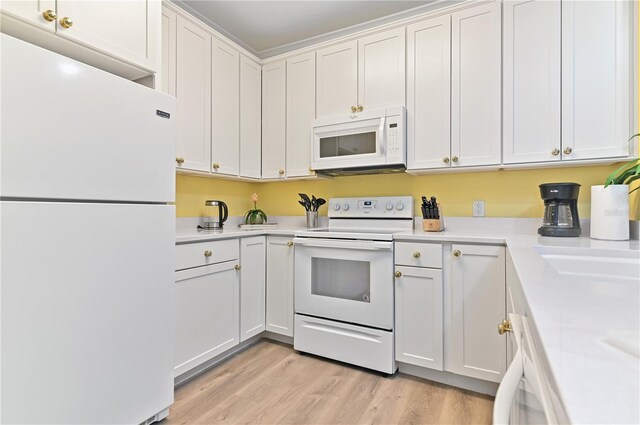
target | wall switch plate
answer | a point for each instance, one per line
(478, 208)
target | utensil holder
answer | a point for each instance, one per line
(312, 219)
(435, 224)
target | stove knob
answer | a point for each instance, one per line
(399, 206)
(345, 207)
(336, 207)
(389, 206)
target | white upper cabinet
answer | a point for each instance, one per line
(250, 118)
(301, 111)
(193, 93)
(381, 69)
(531, 94)
(337, 79)
(476, 86)
(596, 79)
(41, 13)
(126, 29)
(429, 93)
(166, 77)
(225, 109)
(273, 120)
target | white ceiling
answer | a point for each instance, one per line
(267, 28)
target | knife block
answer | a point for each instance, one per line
(434, 225)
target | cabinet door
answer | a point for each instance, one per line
(280, 285)
(252, 286)
(207, 317)
(476, 86)
(337, 79)
(477, 299)
(127, 29)
(167, 74)
(381, 69)
(225, 108)
(193, 94)
(419, 326)
(31, 11)
(273, 120)
(531, 81)
(596, 79)
(429, 93)
(301, 111)
(250, 118)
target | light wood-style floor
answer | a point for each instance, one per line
(270, 383)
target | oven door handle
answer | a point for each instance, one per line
(344, 244)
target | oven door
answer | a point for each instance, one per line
(345, 280)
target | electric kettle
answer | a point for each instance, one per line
(217, 214)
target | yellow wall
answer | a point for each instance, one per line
(507, 193)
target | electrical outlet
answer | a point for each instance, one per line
(478, 208)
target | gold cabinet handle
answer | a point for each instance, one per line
(216, 165)
(289, 244)
(208, 253)
(281, 172)
(180, 160)
(457, 253)
(311, 171)
(454, 159)
(445, 159)
(397, 274)
(504, 327)
(360, 108)
(555, 152)
(567, 151)
(237, 267)
(354, 109)
(416, 254)
(66, 22)
(49, 15)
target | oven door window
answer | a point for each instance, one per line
(337, 278)
(346, 145)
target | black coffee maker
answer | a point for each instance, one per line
(560, 209)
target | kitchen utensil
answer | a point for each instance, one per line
(306, 200)
(320, 202)
(314, 203)
(217, 214)
(304, 204)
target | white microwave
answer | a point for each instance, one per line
(365, 142)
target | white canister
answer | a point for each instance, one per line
(610, 212)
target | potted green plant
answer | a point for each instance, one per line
(610, 202)
(255, 216)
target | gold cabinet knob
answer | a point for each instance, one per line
(360, 108)
(216, 165)
(416, 254)
(289, 244)
(180, 160)
(504, 327)
(281, 172)
(567, 151)
(457, 253)
(354, 109)
(397, 274)
(311, 171)
(555, 152)
(208, 253)
(454, 159)
(49, 15)
(237, 267)
(66, 22)
(445, 159)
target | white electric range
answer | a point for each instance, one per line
(344, 285)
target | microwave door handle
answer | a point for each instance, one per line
(344, 244)
(382, 135)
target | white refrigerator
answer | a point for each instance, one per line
(87, 243)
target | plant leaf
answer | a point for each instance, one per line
(615, 177)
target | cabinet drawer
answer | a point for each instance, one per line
(196, 254)
(419, 254)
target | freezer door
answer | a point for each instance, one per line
(86, 312)
(71, 131)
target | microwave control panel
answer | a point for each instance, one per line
(395, 129)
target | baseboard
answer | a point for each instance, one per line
(277, 337)
(458, 381)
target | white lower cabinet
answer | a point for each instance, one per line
(252, 286)
(476, 305)
(419, 321)
(280, 285)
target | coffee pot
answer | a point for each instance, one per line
(560, 209)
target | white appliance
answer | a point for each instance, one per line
(344, 290)
(87, 244)
(364, 142)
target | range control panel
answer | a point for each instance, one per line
(373, 207)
